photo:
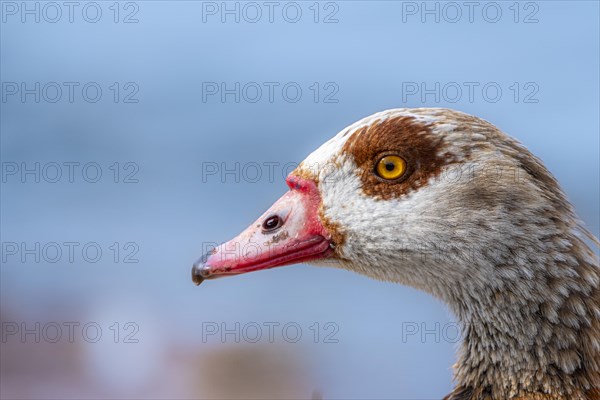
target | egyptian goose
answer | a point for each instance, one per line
(447, 203)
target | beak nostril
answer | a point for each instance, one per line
(272, 223)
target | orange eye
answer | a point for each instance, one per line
(391, 167)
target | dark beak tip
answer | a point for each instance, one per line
(198, 273)
(197, 279)
(201, 271)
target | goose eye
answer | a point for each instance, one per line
(390, 167)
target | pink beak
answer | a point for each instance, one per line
(289, 232)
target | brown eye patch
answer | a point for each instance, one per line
(424, 152)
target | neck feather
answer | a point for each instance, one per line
(535, 336)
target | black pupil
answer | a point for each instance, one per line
(390, 166)
(271, 222)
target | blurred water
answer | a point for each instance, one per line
(366, 61)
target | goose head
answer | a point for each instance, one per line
(445, 202)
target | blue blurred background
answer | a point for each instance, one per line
(166, 139)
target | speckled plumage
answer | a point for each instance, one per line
(487, 229)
